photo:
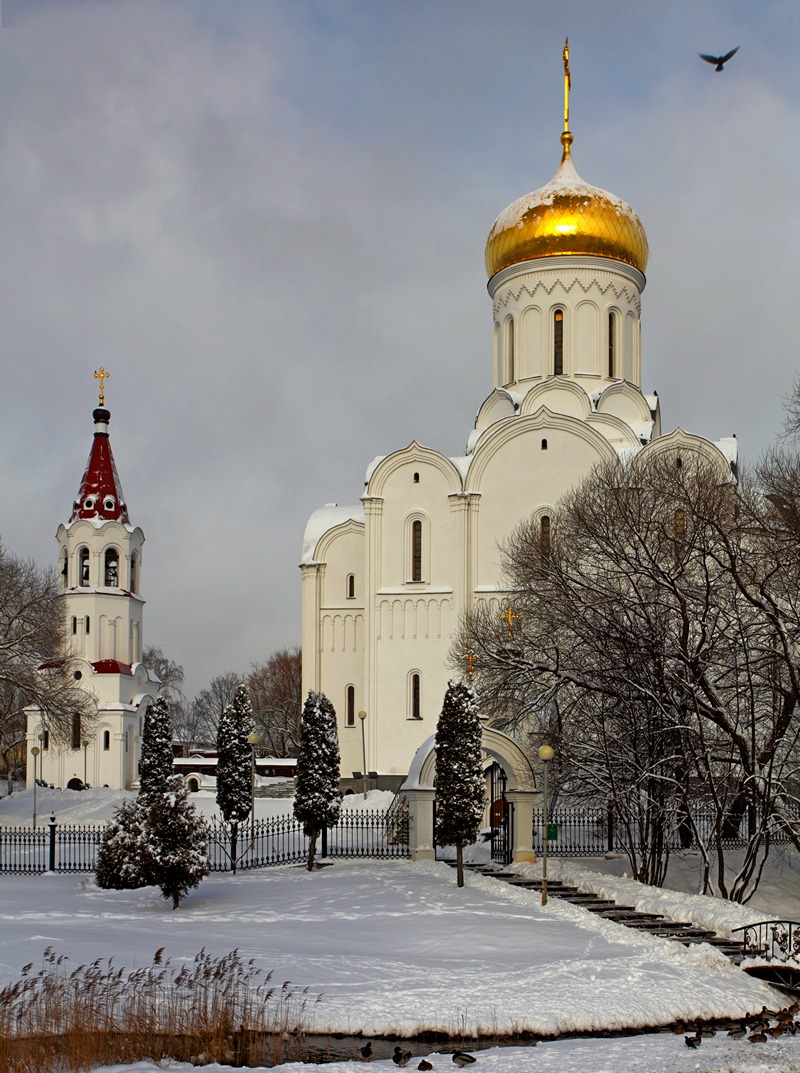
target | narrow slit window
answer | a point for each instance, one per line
(612, 341)
(351, 586)
(416, 711)
(76, 730)
(544, 445)
(106, 740)
(350, 706)
(74, 624)
(558, 342)
(510, 360)
(416, 550)
(134, 572)
(544, 536)
(88, 625)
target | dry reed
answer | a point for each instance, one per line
(215, 1009)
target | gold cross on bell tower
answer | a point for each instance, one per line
(102, 375)
(567, 82)
(508, 618)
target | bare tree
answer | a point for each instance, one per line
(657, 639)
(275, 689)
(198, 722)
(33, 668)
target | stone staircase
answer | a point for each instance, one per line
(276, 789)
(652, 923)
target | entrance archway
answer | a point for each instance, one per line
(520, 793)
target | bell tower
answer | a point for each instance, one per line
(100, 568)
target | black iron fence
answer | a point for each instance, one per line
(276, 840)
(578, 831)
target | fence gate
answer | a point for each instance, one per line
(501, 816)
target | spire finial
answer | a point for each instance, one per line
(566, 137)
(101, 376)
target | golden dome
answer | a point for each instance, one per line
(567, 216)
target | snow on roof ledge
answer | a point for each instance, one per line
(323, 519)
(729, 446)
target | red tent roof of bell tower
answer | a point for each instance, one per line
(100, 495)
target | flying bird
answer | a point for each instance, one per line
(719, 61)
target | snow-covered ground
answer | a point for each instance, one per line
(397, 947)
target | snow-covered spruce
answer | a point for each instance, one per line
(121, 856)
(235, 766)
(155, 766)
(176, 843)
(460, 792)
(317, 802)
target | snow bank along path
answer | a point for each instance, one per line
(393, 947)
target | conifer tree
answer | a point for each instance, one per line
(460, 790)
(121, 863)
(317, 802)
(155, 766)
(122, 857)
(235, 766)
(176, 842)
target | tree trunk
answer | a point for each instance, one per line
(312, 846)
(460, 864)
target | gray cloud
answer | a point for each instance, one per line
(267, 220)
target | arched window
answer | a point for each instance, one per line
(416, 478)
(76, 730)
(558, 342)
(46, 741)
(414, 698)
(350, 706)
(83, 566)
(351, 586)
(510, 357)
(544, 445)
(64, 568)
(111, 574)
(416, 550)
(544, 535)
(134, 572)
(612, 344)
(106, 740)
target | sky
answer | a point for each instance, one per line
(266, 220)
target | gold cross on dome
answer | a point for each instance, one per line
(471, 661)
(567, 82)
(101, 376)
(508, 618)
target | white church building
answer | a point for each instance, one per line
(100, 567)
(385, 580)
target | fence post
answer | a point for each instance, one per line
(52, 865)
(610, 828)
(324, 848)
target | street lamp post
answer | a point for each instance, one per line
(85, 745)
(41, 753)
(35, 753)
(252, 739)
(363, 717)
(545, 754)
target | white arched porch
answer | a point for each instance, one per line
(521, 792)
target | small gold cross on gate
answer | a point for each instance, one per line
(508, 618)
(101, 376)
(470, 659)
